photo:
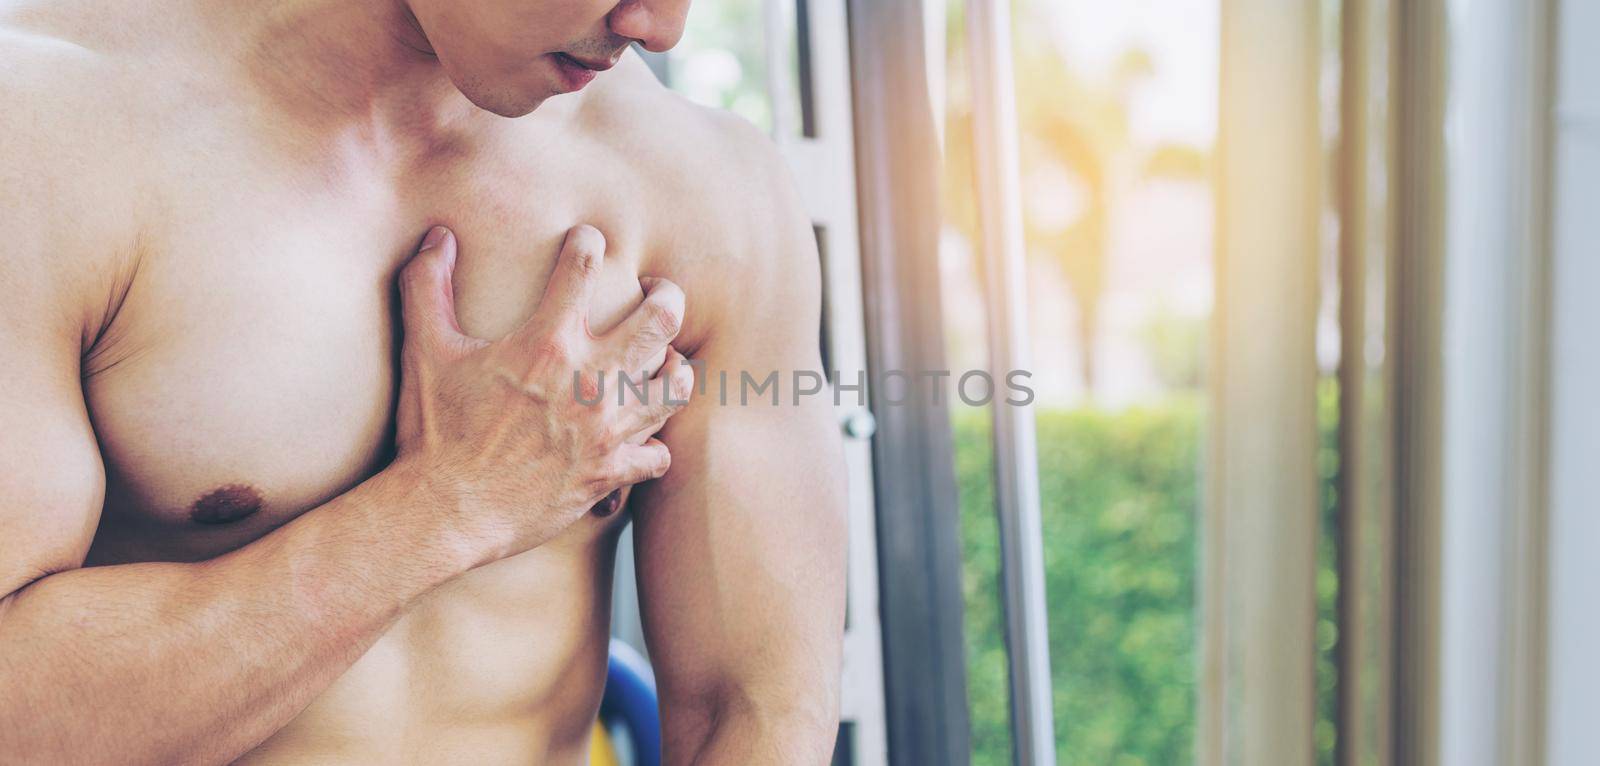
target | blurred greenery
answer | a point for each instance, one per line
(1119, 502)
(1119, 497)
(1176, 347)
(1328, 541)
(721, 60)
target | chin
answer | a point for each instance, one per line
(509, 107)
(503, 101)
(499, 95)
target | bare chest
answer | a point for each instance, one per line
(249, 372)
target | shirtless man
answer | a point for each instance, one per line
(257, 505)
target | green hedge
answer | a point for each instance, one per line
(1119, 493)
(1119, 501)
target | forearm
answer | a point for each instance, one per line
(167, 663)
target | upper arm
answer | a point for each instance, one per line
(52, 480)
(51, 477)
(741, 547)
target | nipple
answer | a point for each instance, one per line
(609, 505)
(225, 505)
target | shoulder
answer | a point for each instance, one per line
(66, 55)
(682, 146)
(82, 78)
(44, 79)
(720, 191)
(66, 164)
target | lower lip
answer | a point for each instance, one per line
(573, 75)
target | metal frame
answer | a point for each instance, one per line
(1366, 498)
(1494, 388)
(919, 555)
(1463, 387)
(999, 197)
(1573, 692)
(1417, 169)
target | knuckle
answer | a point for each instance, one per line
(601, 483)
(664, 318)
(415, 275)
(589, 391)
(550, 351)
(587, 247)
(681, 389)
(658, 414)
(585, 263)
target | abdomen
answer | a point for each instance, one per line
(505, 664)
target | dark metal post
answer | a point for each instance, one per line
(919, 553)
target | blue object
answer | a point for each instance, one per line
(630, 699)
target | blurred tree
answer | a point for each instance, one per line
(1075, 153)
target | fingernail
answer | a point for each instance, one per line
(435, 238)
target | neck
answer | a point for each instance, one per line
(349, 62)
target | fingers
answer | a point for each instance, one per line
(643, 462)
(645, 333)
(572, 285)
(427, 293)
(669, 393)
